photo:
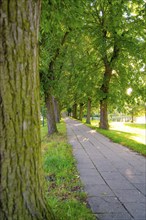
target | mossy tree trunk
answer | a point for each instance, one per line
(81, 111)
(104, 100)
(108, 65)
(21, 184)
(47, 83)
(88, 111)
(103, 115)
(51, 122)
(74, 110)
(56, 110)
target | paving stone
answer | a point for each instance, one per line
(80, 154)
(83, 160)
(131, 171)
(106, 205)
(120, 184)
(141, 187)
(114, 177)
(114, 216)
(130, 196)
(139, 218)
(138, 210)
(105, 168)
(84, 166)
(91, 179)
(137, 178)
(88, 172)
(101, 190)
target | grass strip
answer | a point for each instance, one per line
(122, 138)
(135, 125)
(64, 189)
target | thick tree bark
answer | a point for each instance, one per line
(88, 111)
(104, 100)
(51, 122)
(75, 111)
(81, 111)
(52, 128)
(56, 110)
(103, 115)
(21, 182)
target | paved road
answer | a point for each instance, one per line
(114, 177)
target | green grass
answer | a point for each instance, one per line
(64, 190)
(124, 138)
(131, 135)
(135, 125)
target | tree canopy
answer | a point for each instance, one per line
(96, 50)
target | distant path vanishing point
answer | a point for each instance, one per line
(114, 177)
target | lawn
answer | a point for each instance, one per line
(137, 131)
(64, 190)
(131, 135)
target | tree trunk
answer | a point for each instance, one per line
(81, 112)
(104, 99)
(52, 128)
(69, 110)
(103, 115)
(56, 110)
(43, 115)
(132, 116)
(21, 184)
(88, 111)
(75, 110)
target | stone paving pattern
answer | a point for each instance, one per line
(114, 177)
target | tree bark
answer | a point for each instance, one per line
(56, 110)
(108, 65)
(81, 112)
(75, 110)
(53, 115)
(132, 116)
(104, 99)
(51, 122)
(88, 111)
(21, 178)
(103, 115)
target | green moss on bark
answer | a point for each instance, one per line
(22, 195)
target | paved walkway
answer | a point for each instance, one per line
(114, 177)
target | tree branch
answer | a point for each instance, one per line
(57, 52)
(115, 53)
(59, 48)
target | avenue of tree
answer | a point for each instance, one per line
(91, 52)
